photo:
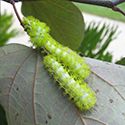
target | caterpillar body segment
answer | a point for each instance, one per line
(83, 97)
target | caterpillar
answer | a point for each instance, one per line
(67, 67)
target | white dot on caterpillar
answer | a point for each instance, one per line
(39, 28)
(55, 63)
(65, 75)
(78, 65)
(58, 50)
(72, 82)
(53, 47)
(59, 69)
(43, 30)
(64, 53)
(84, 96)
(77, 86)
(48, 43)
(29, 22)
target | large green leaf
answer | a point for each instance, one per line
(64, 19)
(30, 97)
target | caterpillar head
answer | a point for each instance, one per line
(38, 31)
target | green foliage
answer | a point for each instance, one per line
(96, 41)
(121, 62)
(5, 24)
(3, 120)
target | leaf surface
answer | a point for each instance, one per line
(64, 19)
(30, 97)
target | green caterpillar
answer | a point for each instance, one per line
(67, 66)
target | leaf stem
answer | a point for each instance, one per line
(13, 4)
(115, 8)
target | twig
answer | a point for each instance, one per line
(13, 3)
(115, 8)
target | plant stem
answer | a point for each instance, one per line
(13, 4)
(115, 8)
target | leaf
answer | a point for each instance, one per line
(63, 18)
(30, 97)
(105, 3)
(121, 61)
(5, 28)
(3, 120)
